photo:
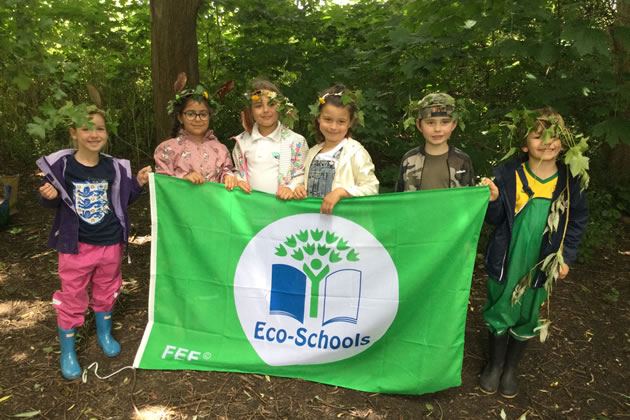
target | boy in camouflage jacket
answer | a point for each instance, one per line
(435, 164)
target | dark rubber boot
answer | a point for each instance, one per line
(508, 386)
(489, 380)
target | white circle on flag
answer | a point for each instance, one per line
(273, 283)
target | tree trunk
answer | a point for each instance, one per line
(173, 50)
(619, 156)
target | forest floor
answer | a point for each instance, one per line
(582, 371)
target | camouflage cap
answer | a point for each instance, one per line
(436, 105)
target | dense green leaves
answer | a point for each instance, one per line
(493, 55)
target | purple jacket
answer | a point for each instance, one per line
(64, 235)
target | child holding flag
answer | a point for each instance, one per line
(338, 166)
(194, 153)
(268, 155)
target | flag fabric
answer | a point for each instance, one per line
(372, 298)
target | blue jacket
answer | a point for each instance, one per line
(501, 214)
(64, 235)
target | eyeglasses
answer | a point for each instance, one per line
(191, 115)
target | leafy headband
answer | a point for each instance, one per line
(348, 97)
(552, 127)
(182, 94)
(287, 112)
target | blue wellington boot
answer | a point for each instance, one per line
(70, 368)
(110, 346)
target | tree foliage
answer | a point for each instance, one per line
(492, 55)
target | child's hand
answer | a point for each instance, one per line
(299, 193)
(244, 186)
(230, 182)
(195, 178)
(494, 191)
(48, 191)
(284, 193)
(143, 175)
(331, 199)
(563, 271)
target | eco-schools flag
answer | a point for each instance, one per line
(372, 298)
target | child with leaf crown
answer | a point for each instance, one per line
(436, 163)
(193, 152)
(338, 166)
(539, 208)
(268, 155)
(90, 192)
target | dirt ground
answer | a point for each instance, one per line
(581, 372)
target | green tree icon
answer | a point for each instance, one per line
(317, 251)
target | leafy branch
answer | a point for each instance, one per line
(552, 263)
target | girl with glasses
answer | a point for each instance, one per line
(193, 152)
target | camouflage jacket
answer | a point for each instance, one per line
(459, 167)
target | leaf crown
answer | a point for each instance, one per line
(347, 97)
(287, 112)
(523, 122)
(198, 94)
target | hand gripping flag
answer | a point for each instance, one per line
(372, 298)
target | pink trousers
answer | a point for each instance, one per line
(96, 267)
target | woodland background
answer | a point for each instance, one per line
(494, 55)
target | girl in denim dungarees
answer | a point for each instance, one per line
(338, 166)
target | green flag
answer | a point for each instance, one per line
(373, 297)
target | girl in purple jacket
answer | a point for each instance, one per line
(91, 192)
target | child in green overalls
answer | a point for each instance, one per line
(520, 203)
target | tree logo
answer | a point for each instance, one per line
(314, 289)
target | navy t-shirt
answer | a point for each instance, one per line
(90, 189)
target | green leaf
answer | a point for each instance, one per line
(577, 162)
(409, 122)
(314, 109)
(316, 234)
(509, 153)
(335, 257)
(342, 245)
(303, 235)
(281, 251)
(298, 255)
(22, 81)
(469, 24)
(309, 249)
(290, 242)
(322, 250)
(353, 255)
(36, 130)
(614, 129)
(331, 237)
(586, 40)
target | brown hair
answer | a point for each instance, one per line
(254, 86)
(333, 97)
(546, 117)
(96, 111)
(178, 108)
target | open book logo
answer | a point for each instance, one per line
(311, 289)
(316, 252)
